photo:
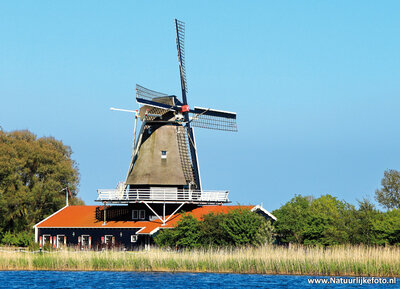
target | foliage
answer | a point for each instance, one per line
(328, 221)
(236, 228)
(389, 195)
(387, 228)
(33, 171)
(322, 221)
(188, 232)
(366, 216)
(291, 219)
(21, 239)
(244, 227)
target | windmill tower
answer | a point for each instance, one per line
(164, 167)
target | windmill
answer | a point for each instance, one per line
(164, 152)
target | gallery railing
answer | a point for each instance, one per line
(165, 195)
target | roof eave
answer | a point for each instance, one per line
(35, 226)
(259, 208)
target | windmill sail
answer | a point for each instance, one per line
(143, 92)
(213, 119)
(180, 43)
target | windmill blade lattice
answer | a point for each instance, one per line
(143, 92)
(213, 119)
(180, 43)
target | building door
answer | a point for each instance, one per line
(61, 241)
(46, 239)
(85, 239)
(108, 239)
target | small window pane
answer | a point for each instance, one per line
(46, 239)
(108, 239)
(60, 240)
(142, 214)
(85, 240)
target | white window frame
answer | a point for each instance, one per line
(63, 240)
(140, 214)
(163, 155)
(133, 214)
(44, 239)
(105, 239)
(134, 238)
(88, 240)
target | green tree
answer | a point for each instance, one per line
(166, 238)
(212, 231)
(322, 221)
(244, 227)
(21, 239)
(236, 228)
(328, 222)
(186, 234)
(389, 195)
(387, 228)
(33, 171)
(367, 216)
(292, 219)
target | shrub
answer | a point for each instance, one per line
(21, 239)
(236, 228)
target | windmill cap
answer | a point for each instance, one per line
(185, 108)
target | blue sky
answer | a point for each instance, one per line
(315, 85)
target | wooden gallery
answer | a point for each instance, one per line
(163, 179)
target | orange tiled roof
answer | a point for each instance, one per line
(85, 217)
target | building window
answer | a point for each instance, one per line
(134, 238)
(108, 239)
(61, 241)
(163, 155)
(85, 240)
(138, 214)
(46, 239)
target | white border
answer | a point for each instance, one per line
(258, 207)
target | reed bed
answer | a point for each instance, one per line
(335, 261)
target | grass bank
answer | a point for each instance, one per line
(343, 260)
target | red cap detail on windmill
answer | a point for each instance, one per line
(185, 108)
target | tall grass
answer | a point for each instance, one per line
(341, 260)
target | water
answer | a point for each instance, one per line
(116, 280)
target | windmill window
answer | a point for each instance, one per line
(163, 155)
(138, 214)
(134, 238)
